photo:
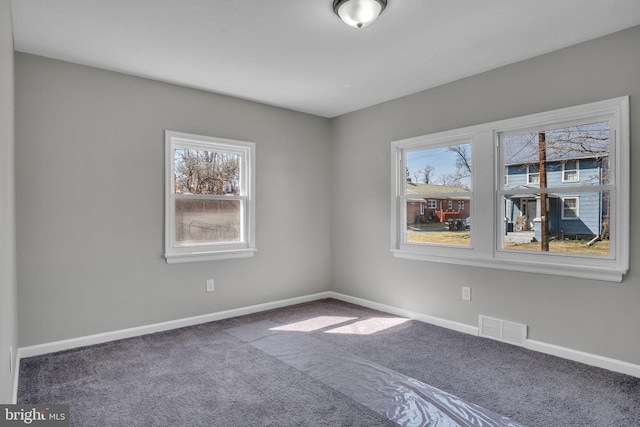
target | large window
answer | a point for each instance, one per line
(441, 175)
(209, 198)
(550, 193)
(567, 212)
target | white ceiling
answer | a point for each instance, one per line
(297, 54)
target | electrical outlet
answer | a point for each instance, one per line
(466, 293)
(210, 285)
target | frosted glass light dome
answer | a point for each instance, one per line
(358, 13)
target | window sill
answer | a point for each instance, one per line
(209, 256)
(582, 271)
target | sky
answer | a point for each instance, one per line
(441, 159)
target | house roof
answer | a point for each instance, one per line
(413, 188)
(527, 195)
(571, 143)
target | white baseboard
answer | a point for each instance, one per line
(52, 347)
(449, 324)
(16, 373)
(563, 352)
(583, 357)
(551, 349)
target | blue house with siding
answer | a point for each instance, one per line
(571, 167)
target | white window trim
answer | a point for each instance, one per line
(433, 204)
(398, 214)
(577, 210)
(530, 175)
(577, 170)
(488, 228)
(175, 253)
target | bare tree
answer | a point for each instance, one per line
(463, 159)
(443, 179)
(463, 165)
(206, 172)
(428, 173)
(451, 181)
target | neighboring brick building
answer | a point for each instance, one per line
(438, 205)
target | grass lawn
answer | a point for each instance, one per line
(444, 237)
(566, 246)
(439, 233)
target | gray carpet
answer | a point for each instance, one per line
(203, 376)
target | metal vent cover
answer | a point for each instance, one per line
(503, 330)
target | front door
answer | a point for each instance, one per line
(528, 208)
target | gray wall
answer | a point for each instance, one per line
(8, 321)
(90, 202)
(90, 165)
(592, 316)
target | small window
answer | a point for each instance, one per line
(570, 208)
(570, 171)
(533, 174)
(460, 205)
(432, 204)
(209, 211)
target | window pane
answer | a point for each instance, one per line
(445, 169)
(206, 172)
(570, 168)
(437, 225)
(439, 175)
(576, 224)
(570, 208)
(207, 221)
(578, 154)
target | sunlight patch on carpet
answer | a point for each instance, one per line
(314, 324)
(369, 326)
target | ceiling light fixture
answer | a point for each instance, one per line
(358, 13)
